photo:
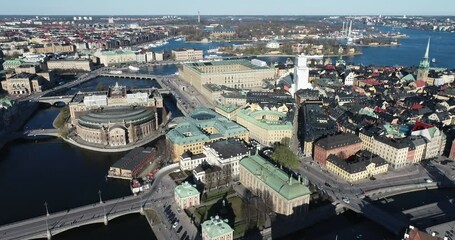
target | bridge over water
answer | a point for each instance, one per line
(101, 212)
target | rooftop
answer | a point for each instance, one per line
(185, 190)
(201, 67)
(341, 140)
(356, 163)
(216, 227)
(258, 118)
(134, 158)
(229, 148)
(275, 178)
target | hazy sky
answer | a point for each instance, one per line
(227, 7)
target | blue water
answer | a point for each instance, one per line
(182, 44)
(106, 81)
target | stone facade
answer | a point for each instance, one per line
(79, 64)
(186, 196)
(187, 54)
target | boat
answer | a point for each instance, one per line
(433, 60)
(152, 45)
(116, 72)
(213, 50)
(179, 39)
(133, 68)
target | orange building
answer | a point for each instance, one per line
(343, 145)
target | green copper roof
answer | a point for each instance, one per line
(255, 117)
(274, 177)
(185, 190)
(191, 130)
(216, 227)
(228, 108)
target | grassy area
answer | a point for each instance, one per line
(232, 210)
(62, 117)
(152, 216)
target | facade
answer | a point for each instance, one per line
(394, 151)
(265, 126)
(435, 139)
(216, 229)
(359, 166)
(301, 75)
(201, 127)
(189, 161)
(75, 64)
(23, 84)
(187, 54)
(53, 48)
(117, 117)
(227, 154)
(344, 145)
(186, 196)
(285, 194)
(240, 74)
(109, 58)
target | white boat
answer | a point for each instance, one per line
(179, 39)
(213, 50)
(152, 45)
(133, 68)
(115, 72)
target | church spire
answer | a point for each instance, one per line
(427, 52)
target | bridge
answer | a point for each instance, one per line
(55, 99)
(42, 132)
(401, 189)
(101, 212)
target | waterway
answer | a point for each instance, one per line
(32, 172)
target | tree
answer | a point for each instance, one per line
(286, 157)
(101, 87)
(285, 141)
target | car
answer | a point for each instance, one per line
(346, 200)
(175, 224)
(327, 184)
(428, 180)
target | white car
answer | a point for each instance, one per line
(428, 180)
(175, 224)
(346, 200)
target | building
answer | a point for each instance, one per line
(239, 74)
(184, 54)
(109, 58)
(216, 229)
(201, 127)
(424, 67)
(342, 145)
(359, 166)
(73, 64)
(412, 233)
(12, 64)
(394, 150)
(313, 125)
(23, 84)
(131, 165)
(116, 118)
(435, 139)
(227, 154)
(265, 126)
(53, 48)
(189, 161)
(186, 196)
(285, 194)
(301, 75)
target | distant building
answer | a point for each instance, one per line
(216, 229)
(12, 64)
(301, 75)
(109, 58)
(359, 166)
(285, 194)
(342, 145)
(189, 161)
(73, 64)
(240, 74)
(158, 56)
(201, 127)
(186, 196)
(187, 54)
(24, 84)
(53, 48)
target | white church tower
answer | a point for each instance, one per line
(301, 75)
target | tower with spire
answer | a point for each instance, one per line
(424, 67)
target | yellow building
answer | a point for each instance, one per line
(187, 54)
(285, 194)
(265, 126)
(109, 58)
(23, 84)
(360, 166)
(241, 74)
(53, 48)
(201, 127)
(74, 64)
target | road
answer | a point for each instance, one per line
(64, 220)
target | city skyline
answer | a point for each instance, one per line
(233, 7)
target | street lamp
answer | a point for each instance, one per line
(48, 231)
(104, 208)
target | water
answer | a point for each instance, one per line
(200, 46)
(107, 82)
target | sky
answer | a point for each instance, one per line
(227, 7)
